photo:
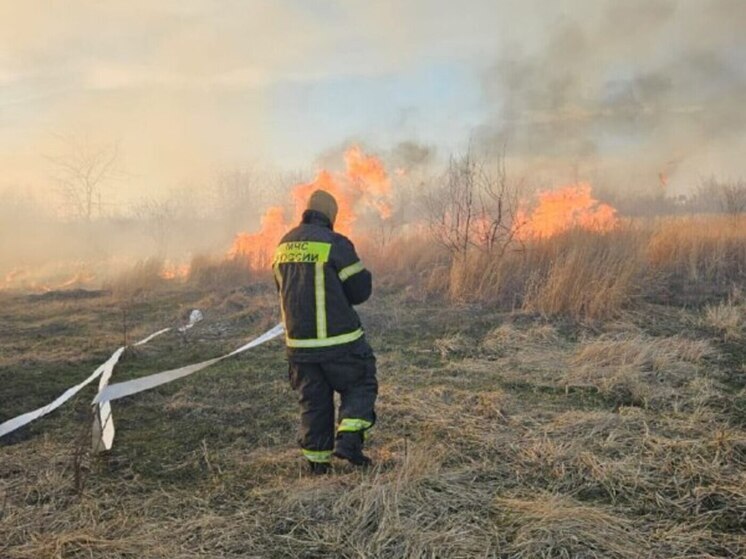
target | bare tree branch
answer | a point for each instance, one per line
(474, 206)
(81, 172)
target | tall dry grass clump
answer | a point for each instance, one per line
(143, 277)
(218, 273)
(581, 274)
(586, 275)
(700, 250)
(727, 318)
(410, 261)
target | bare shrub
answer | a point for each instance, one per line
(158, 218)
(472, 209)
(730, 195)
(81, 171)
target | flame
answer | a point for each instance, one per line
(78, 280)
(257, 247)
(563, 209)
(364, 186)
(173, 271)
(25, 280)
(368, 176)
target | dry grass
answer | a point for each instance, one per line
(545, 526)
(506, 338)
(638, 369)
(456, 344)
(220, 273)
(499, 435)
(727, 318)
(701, 250)
(142, 278)
(587, 276)
(408, 262)
(579, 274)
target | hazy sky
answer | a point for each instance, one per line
(189, 86)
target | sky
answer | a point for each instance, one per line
(631, 88)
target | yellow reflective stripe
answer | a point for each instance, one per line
(302, 251)
(351, 270)
(349, 424)
(278, 277)
(320, 301)
(318, 455)
(325, 342)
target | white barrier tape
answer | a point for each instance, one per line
(127, 388)
(154, 335)
(18, 422)
(103, 416)
(103, 422)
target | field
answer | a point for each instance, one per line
(517, 418)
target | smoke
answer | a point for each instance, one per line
(629, 85)
(189, 86)
(644, 94)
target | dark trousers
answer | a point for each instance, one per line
(354, 378)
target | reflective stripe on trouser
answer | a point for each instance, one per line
(354, 377)
(318, 455)
(353, 425)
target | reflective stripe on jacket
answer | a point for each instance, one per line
(319, 277)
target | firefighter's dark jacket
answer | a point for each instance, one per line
(320, 277)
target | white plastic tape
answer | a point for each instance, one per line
(103, 422)
(127, 388)
(26, 418)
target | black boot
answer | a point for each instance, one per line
(319, 468)
(349, 446)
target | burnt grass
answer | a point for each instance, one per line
(486, 444)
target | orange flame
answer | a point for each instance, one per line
(257, 247)
(173, 271)
(563, 209)
(364, 186)
(25, 280)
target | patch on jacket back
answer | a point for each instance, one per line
(302, 251)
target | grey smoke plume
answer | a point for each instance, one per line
(644, 81)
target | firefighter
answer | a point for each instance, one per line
(319, 278)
